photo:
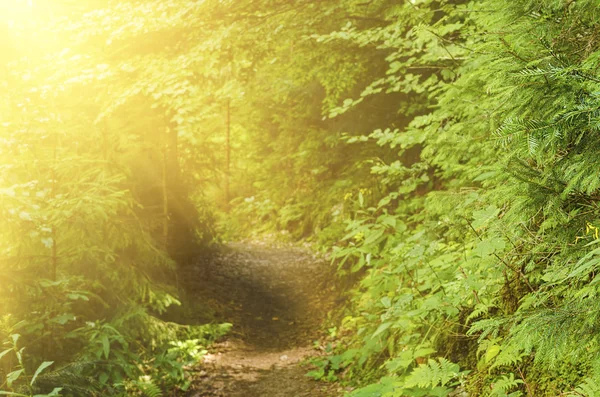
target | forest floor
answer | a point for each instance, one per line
(277, 298)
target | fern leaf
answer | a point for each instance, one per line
(434, 373)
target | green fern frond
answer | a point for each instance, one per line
(505, 384)
(589, 388)
(508, 356)
(434, 373)
(147, 386)
(72, 379)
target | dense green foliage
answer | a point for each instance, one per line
(442, 152)
(474, 231)
(93, 210)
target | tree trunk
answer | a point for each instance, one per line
(228, 155)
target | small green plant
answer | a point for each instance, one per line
(326, 369)
(437, 378)
(19, 382)
(144, 386)
(590, 387)
(504, 385)
(435, 373)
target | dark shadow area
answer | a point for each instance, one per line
(277, 298)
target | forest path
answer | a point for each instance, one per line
(277, 299)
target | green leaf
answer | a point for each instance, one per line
(382, 328)
(55, 392)
(424, 351)
(386, 302)
(386, 385)
(42, 367)
(5, 352)
(13, 376)
(63, 318)
(103, 378)
(388, 220)
(316, 374)
(374, 236)
(76, 296)
(488, 247)
(481, 218)
(105, 346)
(491, 352)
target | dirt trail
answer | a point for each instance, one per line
(277, 298)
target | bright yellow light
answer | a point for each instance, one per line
(15, 6)
(15, 12)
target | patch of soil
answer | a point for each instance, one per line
(277, 298)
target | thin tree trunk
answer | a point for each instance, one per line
(228, 155)
(165, 199)
(174, 195)
(54, 235)
(228, 137)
